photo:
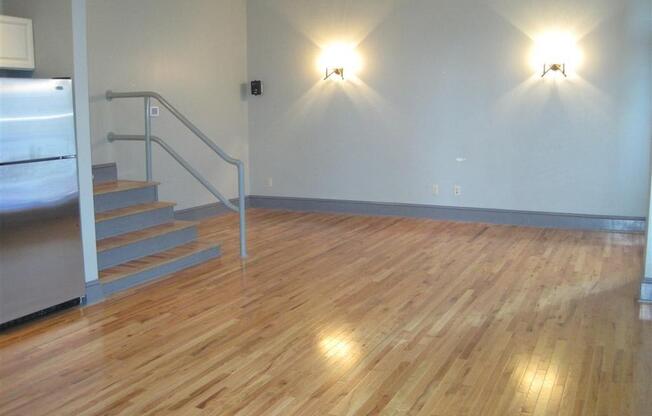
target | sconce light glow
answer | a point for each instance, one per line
(556, 54)
(335, 348)
(339, 61)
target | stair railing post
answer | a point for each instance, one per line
(148, 139)
(242, 210)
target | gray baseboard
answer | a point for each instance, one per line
(94, 293)
(491, 216)
(205, 211)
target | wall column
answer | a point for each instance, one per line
(646, 284)
(82, 120)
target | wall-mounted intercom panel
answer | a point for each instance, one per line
(257, 87)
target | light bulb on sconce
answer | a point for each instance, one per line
(336, 59)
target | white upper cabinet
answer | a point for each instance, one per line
(16, 43)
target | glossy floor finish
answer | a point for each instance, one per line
(346, 315)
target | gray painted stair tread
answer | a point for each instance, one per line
(144, 234)
(154, 261)
(135, 209)
(120, 186)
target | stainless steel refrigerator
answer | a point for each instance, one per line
(41, 262)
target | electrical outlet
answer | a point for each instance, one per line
(457, 190)
(435, 189)
(270, 182)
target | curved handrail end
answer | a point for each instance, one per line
(110, 94)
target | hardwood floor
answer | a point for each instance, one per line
(346, 315)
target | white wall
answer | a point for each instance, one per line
(53, 48)
(194, 54)
(447, 80)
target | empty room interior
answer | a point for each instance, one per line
(325, 207)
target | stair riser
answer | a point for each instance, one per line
(154, 273)
(122, 225)
(105, 173)
(123, 254)
(117, 200)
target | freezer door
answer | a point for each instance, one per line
(36, 119)
(41, 262)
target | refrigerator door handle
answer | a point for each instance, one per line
(47, 159)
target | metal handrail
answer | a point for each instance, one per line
(165, 103)
(112, 137)
(148, 138)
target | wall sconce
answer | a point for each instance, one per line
(334, 71)
(557, 53)
(554, 67)
(336, 58)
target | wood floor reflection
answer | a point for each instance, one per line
(351, 315)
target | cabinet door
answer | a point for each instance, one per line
(16, 43)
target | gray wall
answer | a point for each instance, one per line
(194, 53)
(53, 48)
(447, 96)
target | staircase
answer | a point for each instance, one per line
(138, 239)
